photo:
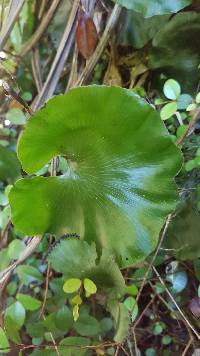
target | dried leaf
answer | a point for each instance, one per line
(86, 35)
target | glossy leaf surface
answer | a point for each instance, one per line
(154, 7)
(119, 185)
(176, 49)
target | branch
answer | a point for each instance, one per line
(40, 30)
(174, 302)
(14, 10)
(60, 59)
(194, 119)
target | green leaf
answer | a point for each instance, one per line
(4, 344)
(75, 258)
(183, 233)
(172, 89)
(111, 177)
(90, 287)
(15, 248)
(77, 343)
(15, 316)
(132, 290)
(183, 101)
(137, 31)
(121, 320)
(158, 328)
(64, 319)
(154, 7)
(191, 107)
(76, 300)
(166, 340)
(131, 305)
(168, 110)
(76, 312)
(86, 325)
(28, 302)
(175, 50)
(9, 165)
(28, 274)
(72, 285)
(16, 116)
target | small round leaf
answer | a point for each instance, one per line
(90, 287)
(172, 89)
(168, 110)
(72, 285)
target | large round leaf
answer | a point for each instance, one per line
(119, 186)
(9, 165)
(154, 7)
(176, 48)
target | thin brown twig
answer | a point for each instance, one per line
(142, 314)
(175, 303)
(36, 69)
(154, 257)
(187, 348)
(46, 290)
(135, 343)
(194, 119)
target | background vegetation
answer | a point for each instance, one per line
(61, 294)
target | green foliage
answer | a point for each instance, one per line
(183, 233)
(4, 344)
(175, 49)
(16, 117)
(72, 285)
(9, 165)
(28, 302)
(137, 31)
(172, 89)
(15, 316)
(168, 110)
(76, 259)
(106, 181)
(154, 7)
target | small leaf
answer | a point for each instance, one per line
(28, 274)
(168, 110)
(64, 320)
(90, 287)
(198, 98)
(191, 107)
(86, 34)
(15, 248)
(172, 89)
(4, 344)
(131, 305)
(166, 340)
(72, 285)
(15, 316)
(183, 101)
(76, 312)
(16, 117)
(158, 328)
(132, 290)
(28, 302)
(76, 300)
(87, 325)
